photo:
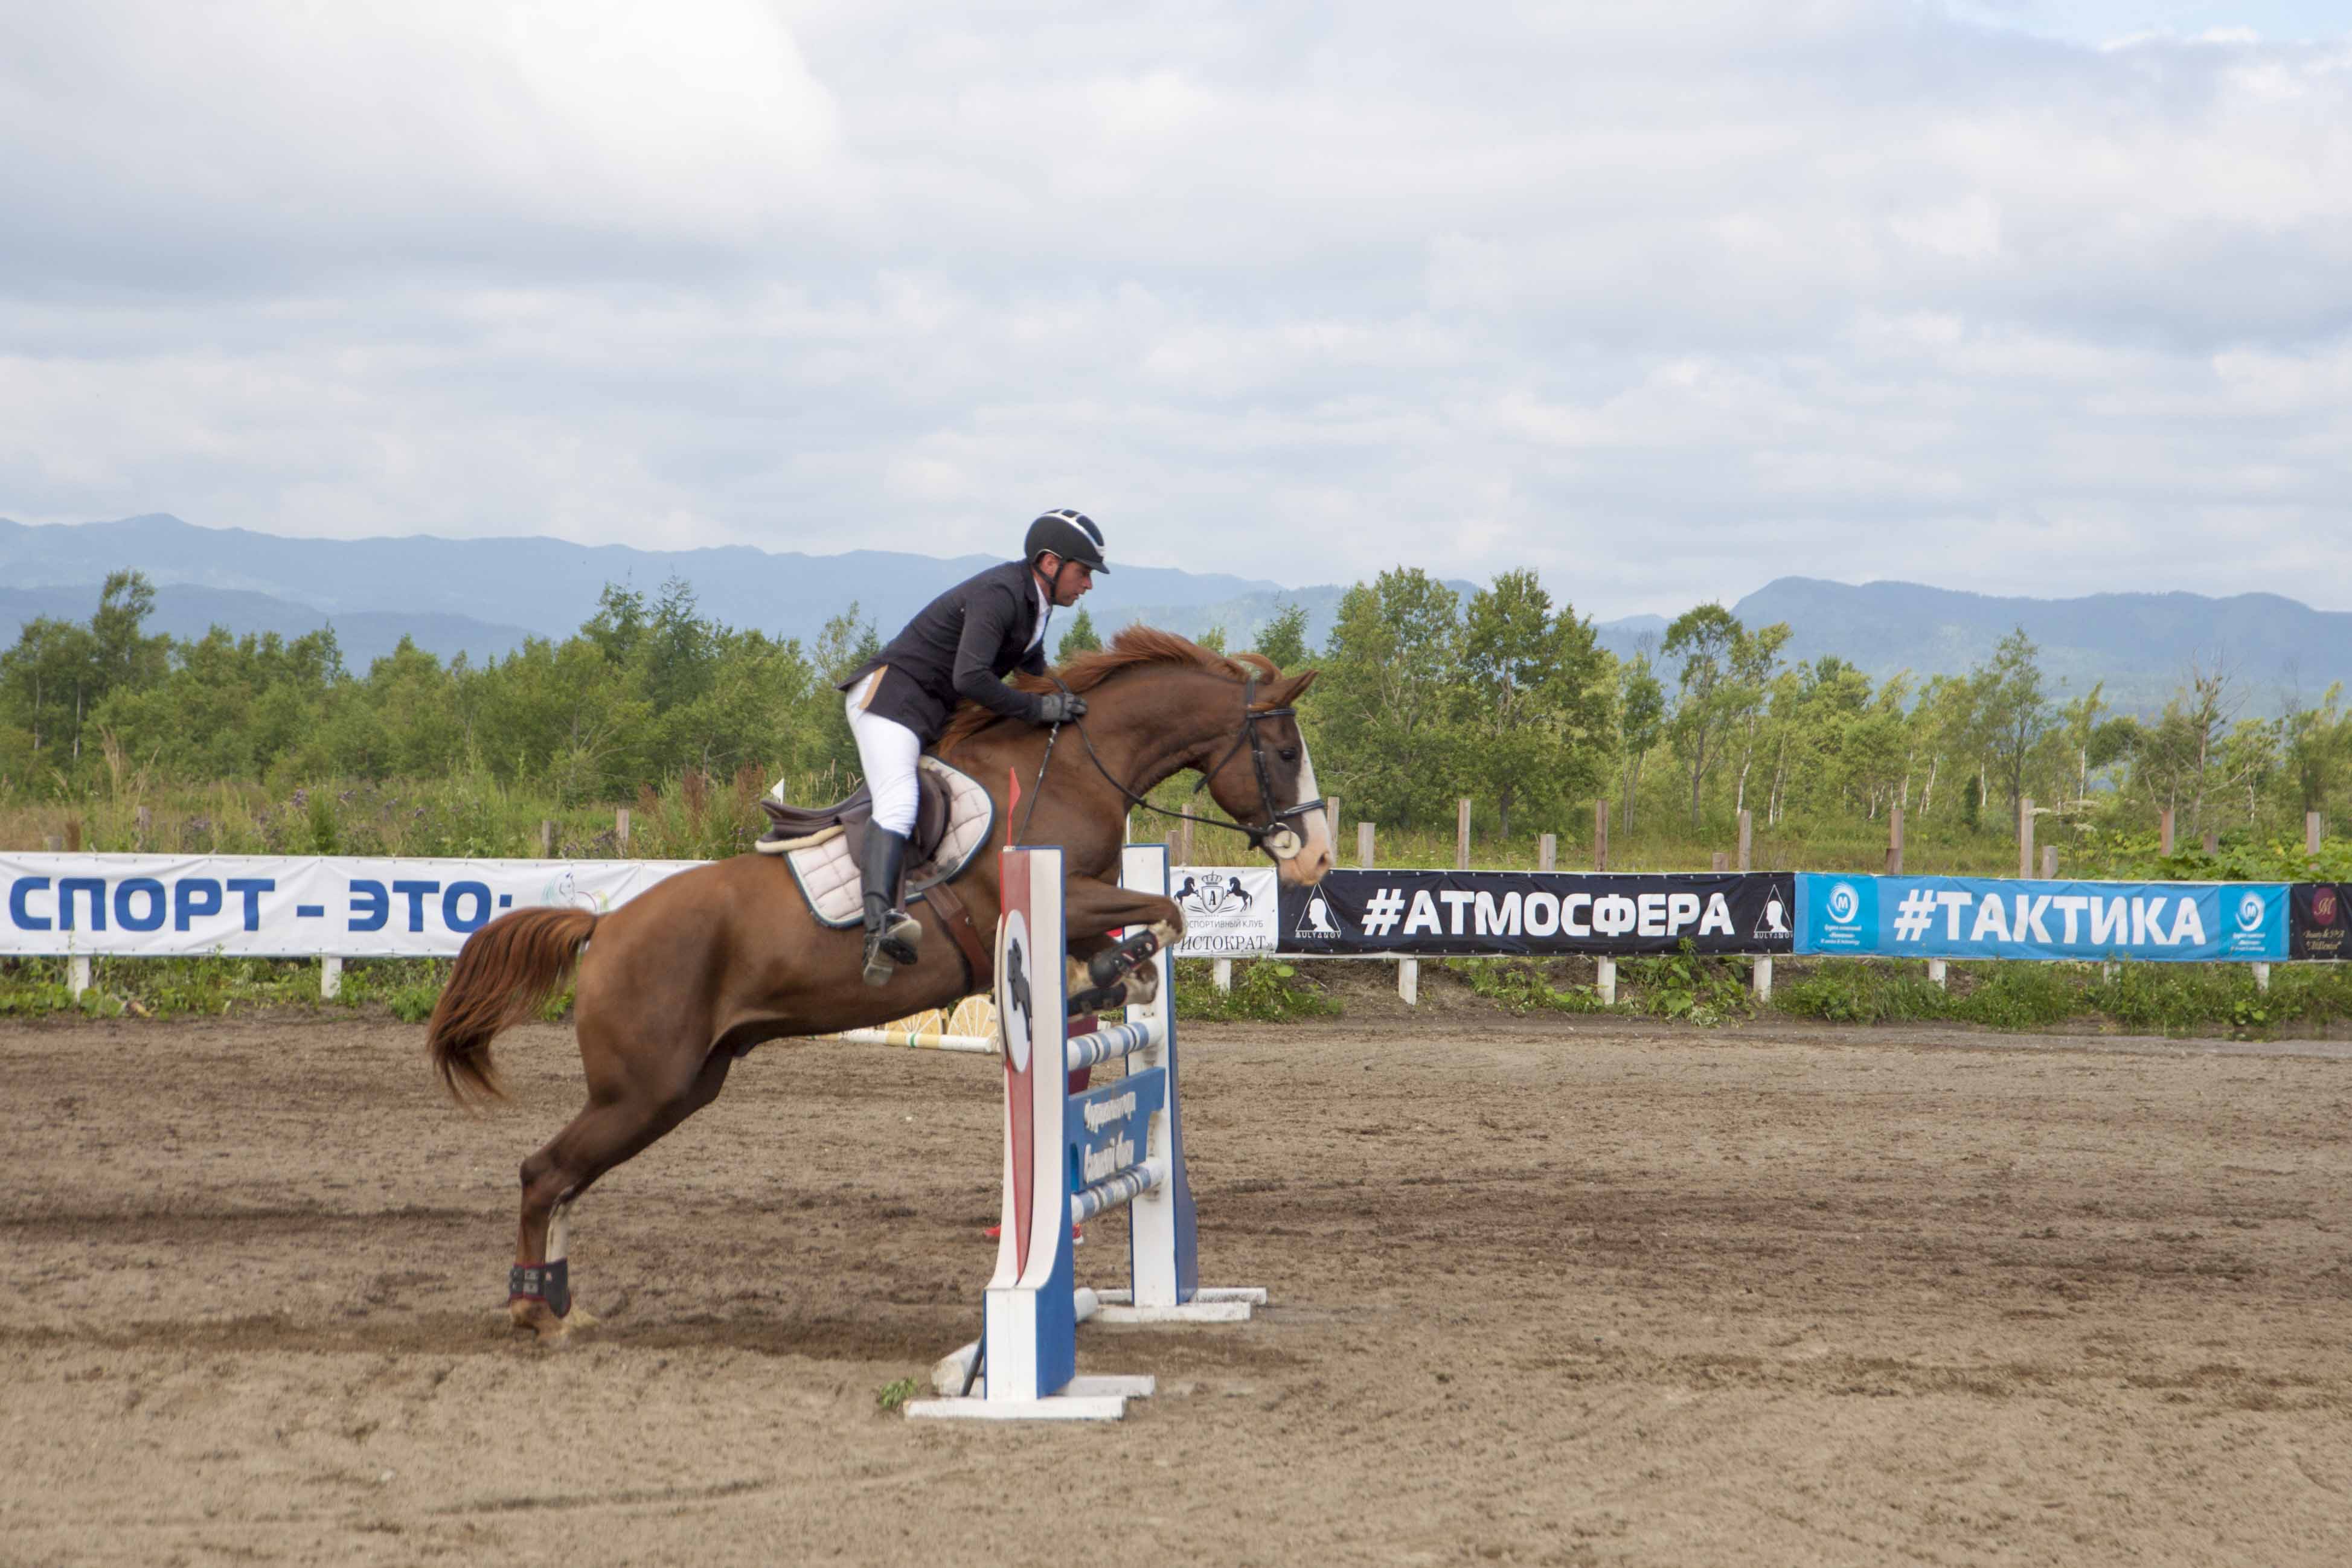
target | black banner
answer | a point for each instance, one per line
(2317, 925)
(1534, 914)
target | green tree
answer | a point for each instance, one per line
(2316, 743)
(1080, 638)
(1535, 712)
(2014, 713)
(1706, 640)
(1640, 720)
(1284, 639)
(1384, 709)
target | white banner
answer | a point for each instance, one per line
(287, 905)
(1228, 910)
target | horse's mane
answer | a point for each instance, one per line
(1132, 647)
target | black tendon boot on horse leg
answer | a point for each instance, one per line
(893, 939)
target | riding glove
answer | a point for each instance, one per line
(1060, 707)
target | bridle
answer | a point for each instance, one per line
(1277, 837)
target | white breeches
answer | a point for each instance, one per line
(889, 751)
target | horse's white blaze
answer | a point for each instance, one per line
(1315, 852)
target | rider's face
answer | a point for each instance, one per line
(1068, 579)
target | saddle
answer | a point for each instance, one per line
(953, 817)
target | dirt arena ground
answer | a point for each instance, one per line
(1544, 1294)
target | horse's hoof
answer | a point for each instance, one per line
(538, 1320)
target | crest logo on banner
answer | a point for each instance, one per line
(1210, 893)
(2324, 906)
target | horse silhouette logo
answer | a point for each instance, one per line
(1018, 1019)
(1209, 893)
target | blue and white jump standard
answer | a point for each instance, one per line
(1068, 1157)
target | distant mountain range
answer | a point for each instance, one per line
(483, 597)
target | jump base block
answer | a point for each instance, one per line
(1083, 1399)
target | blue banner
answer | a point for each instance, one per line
(1982, 917)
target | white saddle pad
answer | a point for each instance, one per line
(828, 875)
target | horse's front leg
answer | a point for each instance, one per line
(1092, 910)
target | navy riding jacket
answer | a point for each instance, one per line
(962, 644)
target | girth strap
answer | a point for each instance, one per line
(979, 967)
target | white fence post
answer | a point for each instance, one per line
(1224, 973)
(77, 974)
(1409, 981)
(1764, 977)
(1937, 975)
(1604, 980)
(2262, 976)
(331, 976)
(1548, 853)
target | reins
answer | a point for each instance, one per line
(1277, 820)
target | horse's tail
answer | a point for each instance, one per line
(504, 974)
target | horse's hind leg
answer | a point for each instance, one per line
(1091, 909)
(605, 1133)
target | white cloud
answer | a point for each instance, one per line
(1663, 301)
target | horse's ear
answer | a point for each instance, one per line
(1288, 690)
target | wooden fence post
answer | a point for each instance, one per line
(1184, 832)
(2025, 835)
(1719, 863)
(2164, 831)
(1601, 842)
(2315, 828)
(1462, 834)
(1895, 840)
(621, 829)
(73, 835)
(146, 826)
(1548, 853)
(1364, 845)
(1331, 816)
(2212, 842)
(546, 839)
(1746, 841)
(54, 844)
(2050, 862)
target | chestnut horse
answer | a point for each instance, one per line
(686, 977)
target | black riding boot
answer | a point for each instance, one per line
(892, 938)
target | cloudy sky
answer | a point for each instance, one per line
(2021, 296)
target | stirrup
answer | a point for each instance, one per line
(893, 945)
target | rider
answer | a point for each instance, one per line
(960, 646)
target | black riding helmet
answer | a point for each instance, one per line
(1069, 533)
